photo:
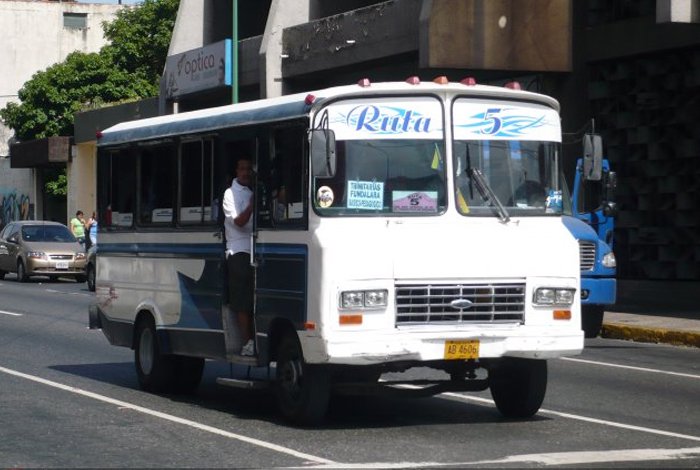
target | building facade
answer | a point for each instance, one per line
(36, 35)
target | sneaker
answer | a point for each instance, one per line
(248, 349)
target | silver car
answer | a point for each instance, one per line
(40, 248)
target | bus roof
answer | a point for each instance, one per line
(294, 106)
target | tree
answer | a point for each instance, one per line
(51, 98)
(127, 69)
(140, 38)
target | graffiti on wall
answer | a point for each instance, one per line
(13, 206)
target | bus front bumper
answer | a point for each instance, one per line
(373, 348)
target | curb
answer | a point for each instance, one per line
(650, 335)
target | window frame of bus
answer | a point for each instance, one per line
(106, 185)
(213, 197)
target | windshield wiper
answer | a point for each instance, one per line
(487, 193)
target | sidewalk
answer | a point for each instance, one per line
(652, 328)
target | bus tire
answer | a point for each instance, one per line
(591, 320)
(188, 373)
(518, 386)
(156, 371)
(302, 390)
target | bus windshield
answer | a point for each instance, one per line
(384, 177)
(523, 175)
(390, 158)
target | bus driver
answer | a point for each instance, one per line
(238, 208)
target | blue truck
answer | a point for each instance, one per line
(592, 224)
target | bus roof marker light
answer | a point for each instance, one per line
(513, 85)
(98, 135)
(413, 80)
(441, 80)
(364, 82)
(309, 100)
(468, 81)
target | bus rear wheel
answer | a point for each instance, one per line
(518, 386)
(156, 372)
(302, 390)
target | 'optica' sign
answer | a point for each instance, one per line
(199, 69)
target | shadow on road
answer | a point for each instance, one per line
(345, 412)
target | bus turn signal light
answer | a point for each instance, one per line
(351, 319)
(561, 314)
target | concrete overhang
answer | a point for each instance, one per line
(367, 34)
(88, 123)
(249, 61)
(40, 152)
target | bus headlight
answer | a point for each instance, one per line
(363, 299)
(609, 260)
(554, 296)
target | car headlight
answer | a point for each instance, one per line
(609, 260)
(363, 299)
(36, 254)
(554, 296)
(79, 255)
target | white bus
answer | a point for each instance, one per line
(421, 226)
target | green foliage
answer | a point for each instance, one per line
(59, 185)
(140, 37)
(128, 68)
(53, 96)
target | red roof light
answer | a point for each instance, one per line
(513, 85)
(469, 81)
(414, 80)
(364, 82)
(309, 100)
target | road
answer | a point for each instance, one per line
(68, 399)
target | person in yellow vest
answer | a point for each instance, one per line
(77, 227)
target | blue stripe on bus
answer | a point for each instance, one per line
(156, 249)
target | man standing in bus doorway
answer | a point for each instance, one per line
(238, 209)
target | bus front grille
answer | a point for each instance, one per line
(587, 255)
(459, 303)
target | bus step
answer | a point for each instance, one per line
(250, 384)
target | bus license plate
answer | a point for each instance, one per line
(463, 349)
(62, 265)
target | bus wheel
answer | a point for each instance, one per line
(188, 373)
(156, 371)
(591, 320)
(518, 386)
(302, 390)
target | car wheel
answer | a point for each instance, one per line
(91, 277)
(155, 371)
(302, 390)
(591, 320)
(21, 272)
(518, 386)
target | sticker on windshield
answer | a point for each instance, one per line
(324, 197)
(366, 195)
(554, 202)
(414, 201)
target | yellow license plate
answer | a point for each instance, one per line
(463, 349)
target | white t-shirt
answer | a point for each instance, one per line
(236, 199)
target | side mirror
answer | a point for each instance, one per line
(323, 159)
(592, 157)
(13, 239)
(610, 209)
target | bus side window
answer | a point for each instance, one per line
(115, 199)
(157, 184)
(288, 176)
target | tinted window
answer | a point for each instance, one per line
(157, 182)
(196, 182)
(47, 233)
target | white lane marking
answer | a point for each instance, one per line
(590, 457)
(604, 422)
(554, 458)
(203, 427)
(11, 313)
(620, 366)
